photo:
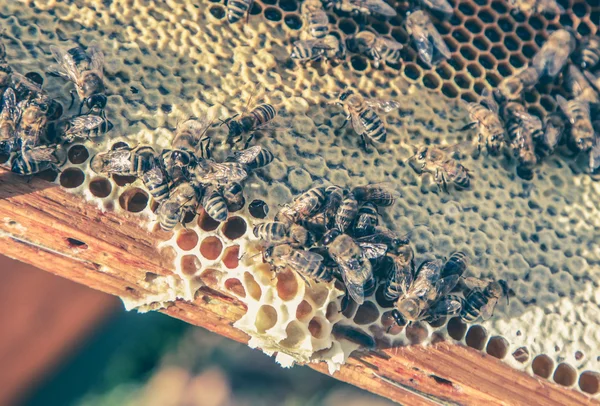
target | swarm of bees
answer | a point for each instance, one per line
(329, 233)
(28, 111)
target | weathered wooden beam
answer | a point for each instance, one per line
(39, 222)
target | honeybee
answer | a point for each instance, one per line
(32, 125)
(334, 196)
(360, 112)
(30, 95)
(381, 194)
(445, 169)
(512, 87)
(238, 9)
(367, 219)
(354, 266)
(307, 204)
(305, 263)
(427, 40)
(589, 51)
(9, 119)
(256, 119)
(485, 117)
(447, 306)
(183, 199)
(401, 274)
(554, 54)
(426, 288)
(275, 233)
(578, 114)
(234, 195)
(443, 6)
(523, 128)
(32, 160)
(208, 171)
(215, 205)
(328, 47)
(375, 47)
(346, 212)
(481, 299)
(537, 6)
(86, 70)
(84, 126)
(253, 157)
(124, 161)
(457, 264)
(578, 85)
(315, 17)
(155, 179)
(383, 235)
(364, 6)
(554, 129)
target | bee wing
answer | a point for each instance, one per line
(373, 250)
(221, 172)
(439, 5)
(488, 309)
(10, 110)
(41, 154)
(593, 79)
(472, 282)
(564, 106)
(96, 59)
(438, 42)
(595, 154)
(67, 68)
(447, 306)
(19, 80)
(247, 155)
(356, 289)
(445, 285)
(489, 101)
(357, 123)
(375, 6)
(83, 123)
(403, 275)
(383, 105)
(424, 46)
(155, 176)
(302, 260)
(426, 277)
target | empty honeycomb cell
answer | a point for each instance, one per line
(71, 178)
(445, 71)
(317, 328)
(412, 71)
(272, 14)
(476, 337)
(504, 69)
(461, 35)
(480, 42)
(304, 310)
(584, 29)
(456, 328)
(468, 52)
(258, 209)
(517, 60)
(211, 247)
(235, 286)
(100, 187)
(123, 180)
(187, 239)
(474, 70)
(479, 87)
(217, 12)
(542, 365)
(133, 200)
(487, 61)
(416, 332)
(474, 25)
(450, 90)
(529, 50)
(295, 334)
(497, 347)
(506, 24)
(253, 288)
(524, 33)
(511, 42)
(287, 285)
(469, 97)
(547, 102)
(266, 318)
(400, 35)
(354, 335)
(493, 78)
(78, 154)
(431, 81)
(589, 382)
(206, 223)
(367, 313)
(293, 21)
(359, 63)
(231, 257)
(521, 355)
(565, 375)
(531, 96)
(332, 311)
(288, 5)
(381, 27)
(499, 52)
(457, 62)
(234, 228)
(190, 265)
(348, 26)
(466, 8)
(565, 20)
(493, 34)
(463, 80)
(536, 22)
(486, 15)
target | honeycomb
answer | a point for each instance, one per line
(170, 60)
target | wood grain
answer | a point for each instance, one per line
(36, 221)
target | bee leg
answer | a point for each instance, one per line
(250, 138)
(345, 123)
(364, 142)
(72, 99)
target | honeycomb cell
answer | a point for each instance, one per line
(133, 200)
(589, 382)
(258, 209)
(400, 35)
(287, 285)
(457, 62)
(479, 87)
(412, 71)
(565, 375)
(481, 42)
(431, 81)
(272, 14)
(469, 97)
(474, 25)
(461, 35)
(231, 257)
(493, 34)
(367, 313)
(348, 26)
(536, 22)
(266, 318)
(517, 60)
(288, 5)
(521, 355)
(466, 8)
(190, 264)
(235, 286)
(293, 21)
(499, 52)
(210, 277)
(294, 334)
(450, 90)
(71, 178)
(332, 311)
(78, 154)
(123, 180)
(187, 239)
(359, 63)
(206, 223)
(529, 50)
(565, 20)
(416, 332)
(252, 287)
(486, 15)
(511, 42)
(211, 247)
(456, 328)
(506, 24)
(493, 78)
(217, 12)
(584, 29)
(468, 52)
(475, 70)
(304, 310)
(100, 187)
(463, 80)
(524, 33)
(476, 337)
(542, 365)
(381, 27)
(504, 69)
(317, 328)
(497, 347)
(444, 71)
(234, 228)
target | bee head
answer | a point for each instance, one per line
(409, 308)
(55, 110)
(330, 236)
(268, 254)
(584, 143)
(398, 318)
(96, 100)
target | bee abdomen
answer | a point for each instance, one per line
(456, 265)
(78, 54)
(472, 305)
(346, 213)
(263, 114)
(375, 129)
(462, 179)
(370, 286)
(590, 52)
(216, 206)
(237, 9)
(274, 231)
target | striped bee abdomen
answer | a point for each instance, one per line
(238, 9)
(375, 129)
(215, 206)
